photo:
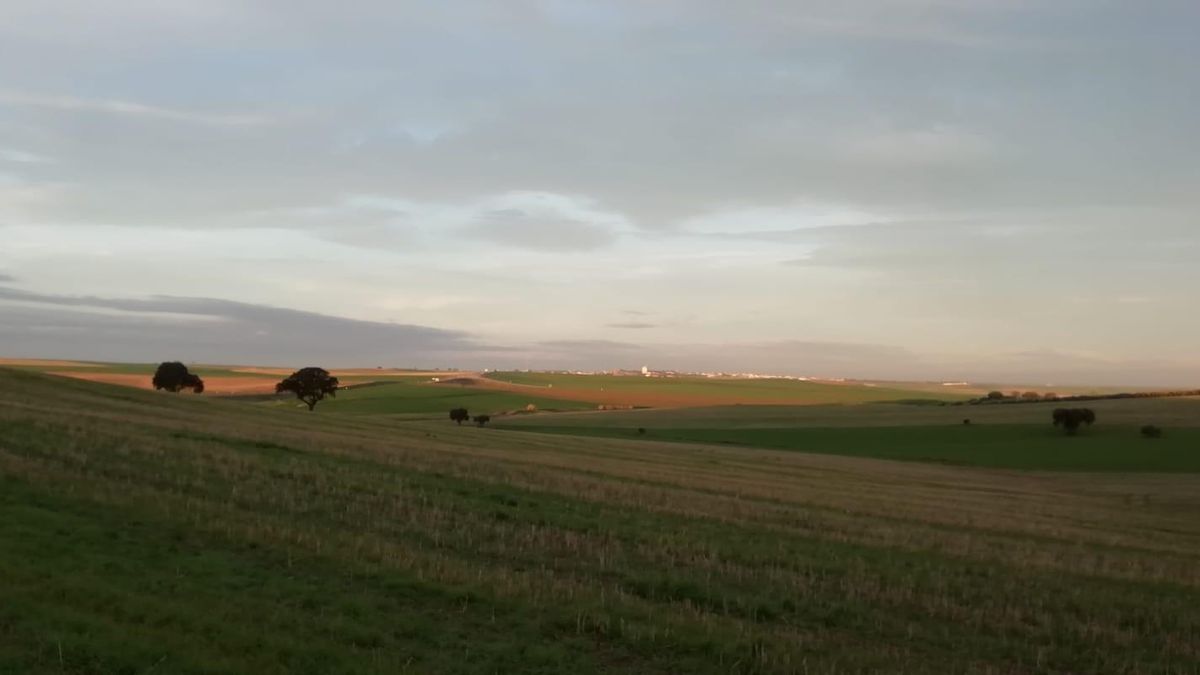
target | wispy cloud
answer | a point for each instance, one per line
(22, 157)
(632, 325)
(128, 108)
(936, 145)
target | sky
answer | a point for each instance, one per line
(986, 190)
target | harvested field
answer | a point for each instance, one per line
(365, 374)
(212, 384)
(141, 532)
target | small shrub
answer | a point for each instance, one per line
(1151, 431)
(967, 422)
(1070, 419)
(641, 431)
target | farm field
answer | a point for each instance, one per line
(148, 532)
(702, 391)
(219, 380)
(419, 396)
(1043, 447)
(1167, 412)
(1013, 436)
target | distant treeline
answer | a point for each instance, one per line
(997, 397)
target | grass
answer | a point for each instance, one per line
(146, 532)
(1006, 447)
(1169, 413)
(418, 396)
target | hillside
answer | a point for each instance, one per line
(147, 532)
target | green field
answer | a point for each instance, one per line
(1165, 412)
(419, 396)
(1006, 447)
(144, 532)
(1016, 436)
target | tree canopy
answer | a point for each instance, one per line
(173, 376)
(310, 385)
(460, 415)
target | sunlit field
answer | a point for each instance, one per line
(149, 532)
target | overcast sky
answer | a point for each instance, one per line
(935, 189)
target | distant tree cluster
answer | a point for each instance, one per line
(460, 415)
(1034, 397)
(1070, 419)
(173, 376)
(1014, 397)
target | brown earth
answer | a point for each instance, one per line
(212, 385)
(368, 373)
(46, 363)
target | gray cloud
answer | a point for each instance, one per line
(515, 227)
(205, 329)
(634, 325)
(543, 113)
(587, 348)
(118, 107)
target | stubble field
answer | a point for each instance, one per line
(142, 531)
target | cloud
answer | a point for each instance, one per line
(7, 278)
(545, 221)
(121, 107)
(937, 145)
(768, 222)
(217, 331)
(585, 349)
(22, 157)
(634, 325)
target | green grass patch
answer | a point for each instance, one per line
(1043, 447)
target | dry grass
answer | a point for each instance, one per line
(637, 556)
